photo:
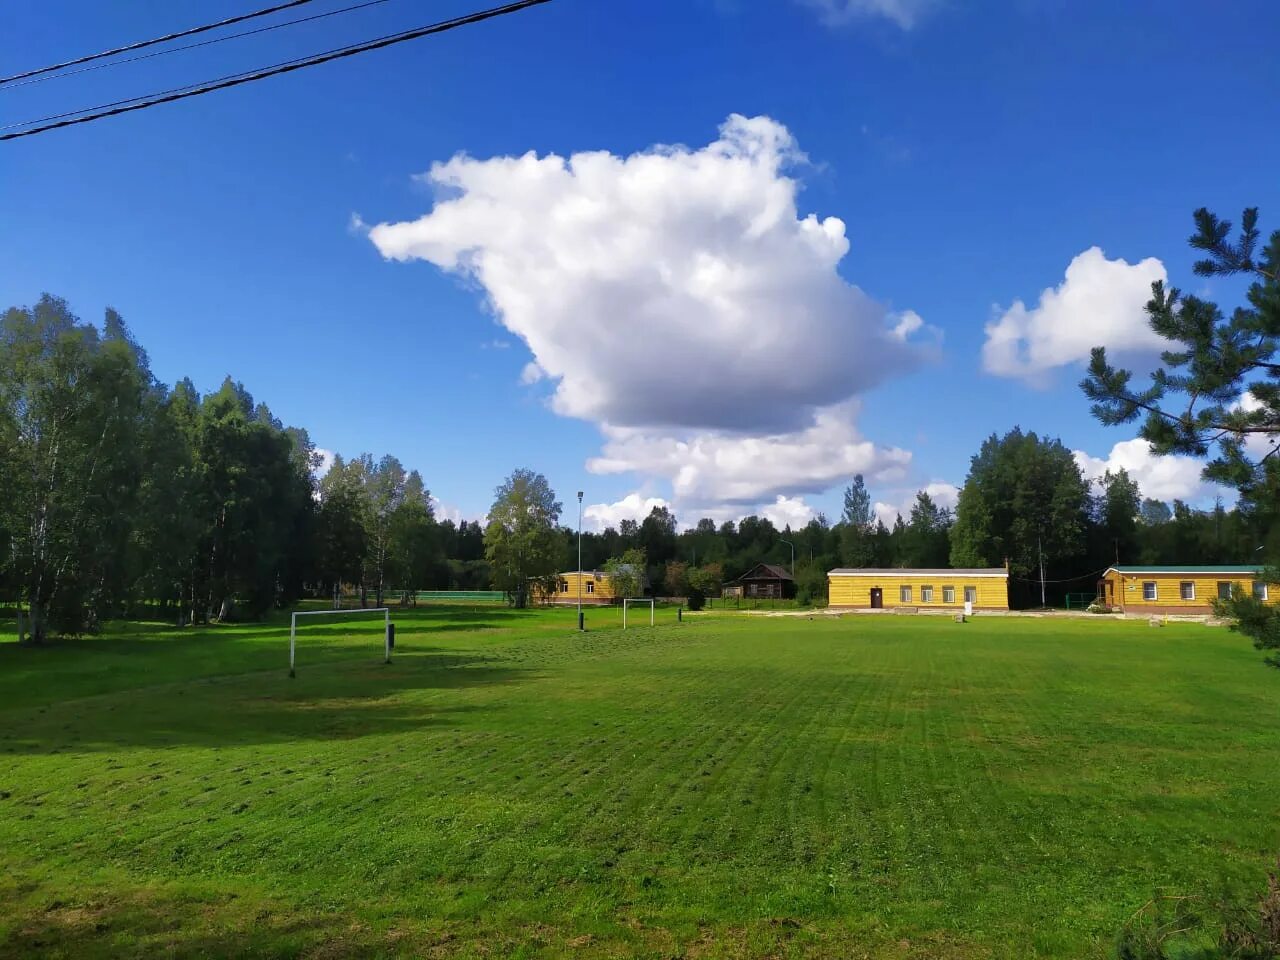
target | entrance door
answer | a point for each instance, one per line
(877, 598)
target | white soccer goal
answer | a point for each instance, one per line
(641, 600)
(386, 628)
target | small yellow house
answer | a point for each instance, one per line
(596, 588)
(1180, 589)
(869, 588)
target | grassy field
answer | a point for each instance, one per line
(730, 786)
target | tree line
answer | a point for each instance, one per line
(118, 491)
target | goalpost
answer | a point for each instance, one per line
(386, 628)
(627, 601)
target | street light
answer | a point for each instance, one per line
(580, 560)
(793, 554)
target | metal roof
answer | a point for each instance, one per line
(918, 572)
(1184, 568)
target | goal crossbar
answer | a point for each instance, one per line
(627, 601)
(386, 628)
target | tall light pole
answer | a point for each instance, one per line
(793, 561)
(793, 554)
(579, 559)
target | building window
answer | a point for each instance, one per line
(1224, 589)
(591, 587)
(948, 594)
(926, 594)
(564, 586)
(1187, 589)
(1148, 590)
(1259, 590)
(904, 594)
(970, 594)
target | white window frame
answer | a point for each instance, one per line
(591, 586)
(904, 593)
(1184, 593)
(948, 594)
(1155, 590)
(970, 594)
(1260, 590)
(926, 593)
(1224, 583)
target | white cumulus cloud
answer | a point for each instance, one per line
(905, 13)
(672, 288)
(731, 468)
(1100, 303)
(1162, 478)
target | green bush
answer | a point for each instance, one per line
(696, 599)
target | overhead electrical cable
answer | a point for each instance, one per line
(190, 46)
(150, 43)
(88, 114)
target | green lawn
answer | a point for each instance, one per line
(730, 786)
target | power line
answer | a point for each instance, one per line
(233, 80)
(150, 43)
(1063, 579)
(190, 46)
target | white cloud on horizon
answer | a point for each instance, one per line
(633, 506)
(674, 288)
(326, 461)
(1100, 302)
(943, 494)
(1159, 477)
(781, 512)
(735, 469)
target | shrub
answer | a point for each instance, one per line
(696, 600)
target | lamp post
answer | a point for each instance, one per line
(793, 554)
(580, 626)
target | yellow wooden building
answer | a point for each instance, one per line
(1180, 589)
(868, 588)
(597, 588)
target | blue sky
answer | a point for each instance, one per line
(971, 151)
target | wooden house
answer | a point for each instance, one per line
(1189, 589)
(766, 581)
(867, 588)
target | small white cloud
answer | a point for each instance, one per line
(445, 511)
(325, 462)
(1162, 478)
(1256, 445)
(730, 468)
(905, 13)
(531, 373)
(356, 226)
(1100, 303)
(631, 507)
(496, 344)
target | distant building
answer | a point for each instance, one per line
(868, 588)
(597, 588)
(764, 581)
(1180, 589)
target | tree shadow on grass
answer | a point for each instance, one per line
(142, 924)
(329, 700)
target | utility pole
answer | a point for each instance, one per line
(580, 625)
